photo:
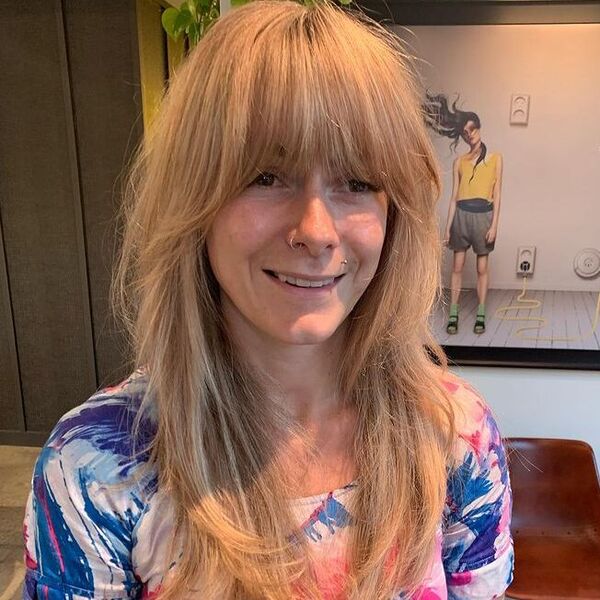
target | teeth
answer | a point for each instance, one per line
(305, 283)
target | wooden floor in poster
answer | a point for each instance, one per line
(559, 319)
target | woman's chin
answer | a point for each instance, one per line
(317, 331)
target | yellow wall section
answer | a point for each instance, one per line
(151, 45)
(175, 53)
(159, 56)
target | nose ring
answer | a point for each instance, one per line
(345, 261)
(293, 245)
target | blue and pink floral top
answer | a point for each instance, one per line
(86, 537)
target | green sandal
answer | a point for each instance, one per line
(452, 326)
(479, 324)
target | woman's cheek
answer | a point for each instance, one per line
(366, 244)
(368, 236)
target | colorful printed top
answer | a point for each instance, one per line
(87, 538)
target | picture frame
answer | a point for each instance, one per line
(450, 15)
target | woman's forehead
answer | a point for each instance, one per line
(336, 150)
(298, 162)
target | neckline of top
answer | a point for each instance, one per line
(321, 497)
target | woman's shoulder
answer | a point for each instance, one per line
(476, 430)
(99, 437)
(476, 544)
(94, 495)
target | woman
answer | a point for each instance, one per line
(287, 434)
(474, 205)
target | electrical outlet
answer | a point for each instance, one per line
(519, 109)
(525, 260)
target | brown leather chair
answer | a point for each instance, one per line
(556, 519)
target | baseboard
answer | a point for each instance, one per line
(23, 438)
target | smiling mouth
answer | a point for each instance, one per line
(304, 283)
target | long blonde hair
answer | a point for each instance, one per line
(280, 84)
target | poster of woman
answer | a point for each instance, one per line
(474, 206)
(514, 122)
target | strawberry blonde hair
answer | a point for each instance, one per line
(281, 84)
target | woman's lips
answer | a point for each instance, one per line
(304, 284)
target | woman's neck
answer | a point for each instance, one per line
(475, 150)
(302, 376)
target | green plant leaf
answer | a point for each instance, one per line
(239, 2)
(204, 4)
(192, 6)
(183, 20)
(193, 32)
(168, 19)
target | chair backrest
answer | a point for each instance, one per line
(555, 485)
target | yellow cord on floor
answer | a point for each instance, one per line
(541, 321)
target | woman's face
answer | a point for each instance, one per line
(293, 256)
(471, 134)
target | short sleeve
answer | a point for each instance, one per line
(82, 511)
(477, 548)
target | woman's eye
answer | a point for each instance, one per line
(359, 186)
(264, 180)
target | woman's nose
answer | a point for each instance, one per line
(315, 227)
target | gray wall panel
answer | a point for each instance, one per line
(11, 406)
(70, 120)
(40, 216)
(107, 109)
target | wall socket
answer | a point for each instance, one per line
(519, 109)
(525, 260)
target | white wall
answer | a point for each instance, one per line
(541, 402)
(551, 187)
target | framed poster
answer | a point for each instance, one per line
(513, 91)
